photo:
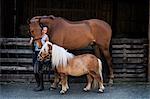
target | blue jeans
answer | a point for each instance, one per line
(37, 65)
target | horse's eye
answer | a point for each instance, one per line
(31, 31)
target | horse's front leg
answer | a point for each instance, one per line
(63, 83)
(88, 86)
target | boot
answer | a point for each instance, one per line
(41, 86)
(37, 79)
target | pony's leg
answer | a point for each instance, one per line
(101, 86)
(88, 86)
(108, 58)
(98, 77)
(56, 80)
(67, 83)
(63, 78)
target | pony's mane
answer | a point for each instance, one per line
(45, 45)
(60, 56)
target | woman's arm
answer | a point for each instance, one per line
(31, 40)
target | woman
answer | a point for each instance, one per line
(37, 65)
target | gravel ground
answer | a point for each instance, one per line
(117, 91)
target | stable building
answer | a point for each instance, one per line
(129, 20)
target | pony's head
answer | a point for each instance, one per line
(36, 24)
(46, 52)
(57, 54)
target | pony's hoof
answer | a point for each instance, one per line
(111, 82)
(103, 87)
(67, 88)
(101, 90)
(62, 92)
(86, 90)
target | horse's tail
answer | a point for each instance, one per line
(95, 83)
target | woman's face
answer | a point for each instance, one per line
(44, 30)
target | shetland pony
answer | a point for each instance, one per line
(68, 64)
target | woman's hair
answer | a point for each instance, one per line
(43, 25)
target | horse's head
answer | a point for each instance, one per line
(35, 28)
(46, 52)
(36, 24)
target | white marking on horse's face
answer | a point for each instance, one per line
(45, 52)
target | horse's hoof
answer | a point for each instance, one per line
(101, 90)
(86, 90)
(52, 88)
(62, 92)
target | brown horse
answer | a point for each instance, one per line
(68, 64)
(76, 35)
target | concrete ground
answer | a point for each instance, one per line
(117, 91)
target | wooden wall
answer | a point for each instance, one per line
(128, 18)
(149, 45)
(130, 60)
(0, 19)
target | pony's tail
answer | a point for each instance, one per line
(100, 69)
(95, 83)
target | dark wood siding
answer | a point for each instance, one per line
(128, 18)
(7, 22)
(130, 60)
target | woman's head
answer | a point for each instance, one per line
(44, 29)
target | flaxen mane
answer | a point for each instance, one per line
(60, 56)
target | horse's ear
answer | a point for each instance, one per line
(28, 21)
(52, 17)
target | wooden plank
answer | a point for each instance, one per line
(22, 77)
(128, 71)
(21, 68)
(137, 79)
(14, 39)
(129, 66)
(128, 60)
(127, 46)
(16, 68)
(128, 55)
(129, 41)
(17, 77)
(16, 43)
(16, 51)
(143, 75)
(136, 51)
(21, 60)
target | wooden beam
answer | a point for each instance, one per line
(20, 60)
(149, 45)
(0, 18)
(16, 51)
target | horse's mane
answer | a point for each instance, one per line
(60, 56)
(71, 22)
